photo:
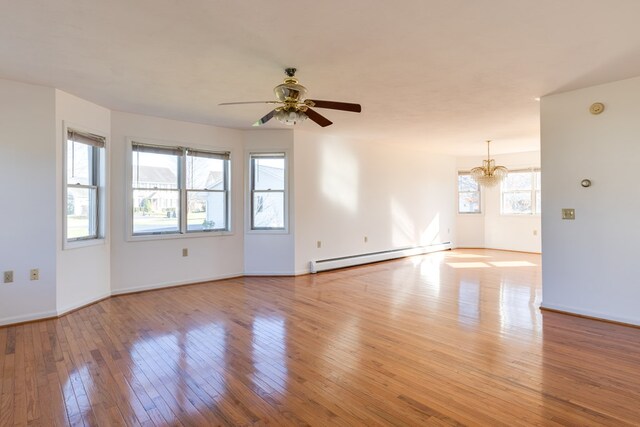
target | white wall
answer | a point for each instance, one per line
(269, 253)
(590, 264)
(28, 202)
(470, 227)
(346, 190)
(83, 273)
(143, 264)
(490, 229)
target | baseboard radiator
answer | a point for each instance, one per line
(349, 261)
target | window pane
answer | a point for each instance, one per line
(538, 202)
(79, 163)
(205, 173)
(268, 210)
(268, 174)
(206, 211)
(466, 183)
(469, 202)
(516, 203)
(518, 181)
(154, 170)
(156, 211)
(81, 213)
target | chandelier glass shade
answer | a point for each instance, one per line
(489, 175)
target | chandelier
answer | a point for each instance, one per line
(489, 175)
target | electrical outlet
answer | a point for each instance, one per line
(535, 232)
(366, 239)
(319, 244)
(34, 274)
(568, 213)
(8, 276)
(185, 252)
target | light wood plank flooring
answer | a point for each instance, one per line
(451, 338)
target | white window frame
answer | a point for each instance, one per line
(533, 192)
(100, 168)
(182, 188)
(458, 192)
(249, 191)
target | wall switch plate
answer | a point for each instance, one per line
(568, 213)
(185, 252)
(34, 274)
(8, 276)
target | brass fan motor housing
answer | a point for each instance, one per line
(294, 107)
(290, 91)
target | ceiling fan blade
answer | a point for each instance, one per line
(319, 119)
(265, 119)
(344, 106)
(250, 102)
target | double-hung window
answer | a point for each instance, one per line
(207, 190)
(178, 190)
(83, 161)
(520, 193)
(268, 191)
(468, 194)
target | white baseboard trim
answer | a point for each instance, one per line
(590, 313)
(270, 273)
(172, 284)
(367, 258)
(28, 317)
(498, 249)
(83, 303)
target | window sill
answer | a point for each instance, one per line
(77, 244)
(285, 231)
(190, 235)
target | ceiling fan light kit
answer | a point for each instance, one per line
(289, 117)
(489, 175)
(296, 108)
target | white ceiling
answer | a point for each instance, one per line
(440, 74)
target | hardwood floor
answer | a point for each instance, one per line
(451, 338)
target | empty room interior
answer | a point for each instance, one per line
(319, 213)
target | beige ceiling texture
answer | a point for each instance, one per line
(444, 75)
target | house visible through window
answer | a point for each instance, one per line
(268, 191)
(468, 194)
(520, 193)
(207, 183)
(179, 190)
(84, 154)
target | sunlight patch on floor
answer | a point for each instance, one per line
(468, 265)
(512, 264)
(451, 255)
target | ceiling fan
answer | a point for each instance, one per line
(295, 107)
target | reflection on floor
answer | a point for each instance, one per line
(446, 338)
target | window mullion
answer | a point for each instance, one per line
(227, 211)
(94, 221)
(182, 184)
